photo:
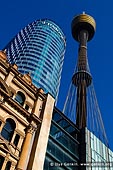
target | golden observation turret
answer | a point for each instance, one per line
(83, 22)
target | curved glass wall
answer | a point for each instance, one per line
(39, 49)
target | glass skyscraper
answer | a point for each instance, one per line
(39, 49)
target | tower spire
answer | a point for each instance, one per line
(83, 29)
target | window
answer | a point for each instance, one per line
(26, 107)
(16, 140)
(8, 165)
(1, 161)
(8, 129)
(20, 98)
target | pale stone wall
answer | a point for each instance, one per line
(43, 135)
(32, 125)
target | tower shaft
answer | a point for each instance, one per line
(83, 28)
(82, 61)
(82, 80)
(81, 106)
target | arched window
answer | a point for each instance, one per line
(1, 161)
(20, 98)
(8, 129)
(8, 165)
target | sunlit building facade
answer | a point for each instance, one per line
(33, 133)
(39, 49)
(23, 120)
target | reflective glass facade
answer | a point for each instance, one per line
(98, 155)
(62, 150)
(39, 49)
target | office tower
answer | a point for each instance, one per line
(39, 49)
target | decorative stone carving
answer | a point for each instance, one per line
(15, 66)
(27, 78)
(3, 55)
(31, 128)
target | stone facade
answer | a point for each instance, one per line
(25, 119)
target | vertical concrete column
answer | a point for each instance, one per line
(42, 140)
(26, 148)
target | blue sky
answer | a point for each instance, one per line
(14, 15)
